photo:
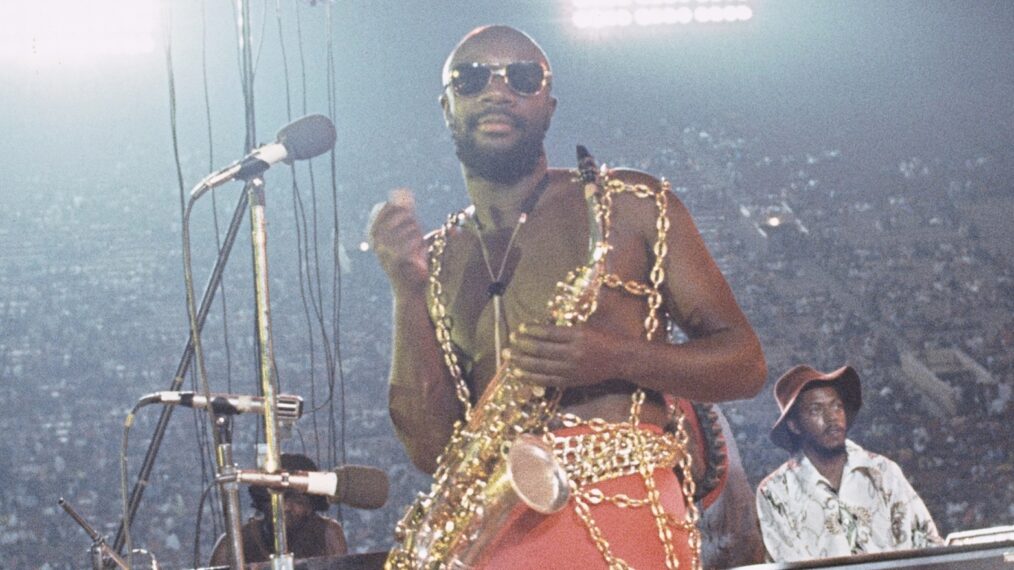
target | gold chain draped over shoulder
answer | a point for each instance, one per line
(647, 451)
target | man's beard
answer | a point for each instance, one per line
(827, 451)
(505, 166)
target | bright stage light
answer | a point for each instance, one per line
(597, 14)
(63, 31)
(602, 18)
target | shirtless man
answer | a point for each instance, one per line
(528, 229)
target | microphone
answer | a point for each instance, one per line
(289, 406)
(357, 486)
(301, 139)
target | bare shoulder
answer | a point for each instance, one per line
(635, 177)
(639, 206)
(631, 176)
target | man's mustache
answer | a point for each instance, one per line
(515, 121)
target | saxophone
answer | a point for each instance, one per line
(497, 456)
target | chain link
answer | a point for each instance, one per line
(653, 292)
(645, 458)
(659, 249)
(438, 311)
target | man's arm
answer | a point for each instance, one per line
(723, 359)
(421, 399)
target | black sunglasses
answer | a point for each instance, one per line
(523, 77)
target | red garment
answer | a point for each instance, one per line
(562, 540)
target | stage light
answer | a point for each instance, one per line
(64, 31)
(597, 14)
(602, 18)
(601, 4)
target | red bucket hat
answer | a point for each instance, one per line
(788, 387)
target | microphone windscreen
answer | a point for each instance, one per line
(360, 487)
(307, 137)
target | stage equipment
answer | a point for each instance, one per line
(982, 536)
(100, 550)
(987, 556)
(290, 407)
(357, 486)
(473, 485)
(302, 139)
(144, 472)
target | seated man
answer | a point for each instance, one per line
(833, 498)
(308, 534)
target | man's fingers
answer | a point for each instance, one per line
(536, 365)
(393, 224)
(526, 347)
(400, 204)
(542, 333)
(544, 379)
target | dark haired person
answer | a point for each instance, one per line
(833, 498)
(309, 534)
(488, 276)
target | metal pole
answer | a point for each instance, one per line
(272, 460)
(229, 489)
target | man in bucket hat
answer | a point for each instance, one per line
(833, 498)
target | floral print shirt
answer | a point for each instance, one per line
(875, 509)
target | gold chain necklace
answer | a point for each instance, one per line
(652, 291)
(497, 287)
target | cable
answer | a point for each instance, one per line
(188, 279)
(200, 427)
(197, 528)
(297, 210)
(214, 200)
(127, 424)
(336, 241)
(309, 296)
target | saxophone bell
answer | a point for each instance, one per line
(531, 475)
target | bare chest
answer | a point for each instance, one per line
(545, 249)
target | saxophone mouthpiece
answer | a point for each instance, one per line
(586, 164)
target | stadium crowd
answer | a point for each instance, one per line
(834, 260)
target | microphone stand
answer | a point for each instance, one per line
(282, 560)
(100, 551)
(181, 368)
(229, 491)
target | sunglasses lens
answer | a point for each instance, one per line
(470, 79)
(526, 77)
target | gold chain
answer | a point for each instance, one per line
(438, 311)
(659, 249)
(646, 462)
(653, 292)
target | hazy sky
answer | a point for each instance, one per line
(891, 77)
